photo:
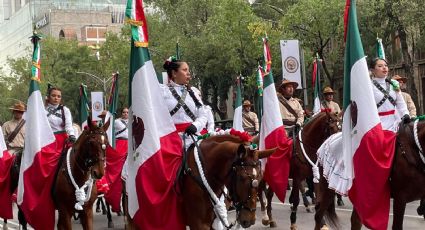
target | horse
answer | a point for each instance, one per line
(406, 178)
(226, 160)
(310, 137)
(78, 167)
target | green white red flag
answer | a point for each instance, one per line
(380, 52)
(154, 146)
(237, 117)
(273, 135)
(83, 106)
(6, 161)
(39, 159)
(367, 149)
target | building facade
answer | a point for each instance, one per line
(87, 21)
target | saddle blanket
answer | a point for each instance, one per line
(330, 157)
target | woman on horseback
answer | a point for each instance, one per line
(388, 98)
(183, 101)
(60, 118)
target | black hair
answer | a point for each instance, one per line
(171, 65)
(51, 88)
(373, 62)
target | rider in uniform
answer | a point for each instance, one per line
(14, 130)
(250, 122)
(328, 103)
(290, 108)
(60, 118)
(183, 101)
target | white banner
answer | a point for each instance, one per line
(96, 105)
(291, 64)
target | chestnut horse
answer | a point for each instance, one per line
(78, 169)
(225, 160)
(311, 136)
(406, 179)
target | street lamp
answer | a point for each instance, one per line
(103, 81)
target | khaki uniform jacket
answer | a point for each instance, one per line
(250, 122)
(296, 106)
(18, 141)
(410, 104)
(331, 105)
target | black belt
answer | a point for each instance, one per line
(121, 138)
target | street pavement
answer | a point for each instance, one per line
(281, 212)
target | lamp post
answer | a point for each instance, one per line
(103, 81)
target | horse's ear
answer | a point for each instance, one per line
(265, 153)
(241, 151)
(106, 125)
(90, 123)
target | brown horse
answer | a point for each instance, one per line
(226, 160)
(406, 179)
(78, 167)
(313, 134)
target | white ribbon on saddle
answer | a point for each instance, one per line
(415, 134)
(80, 193)
(314, 167)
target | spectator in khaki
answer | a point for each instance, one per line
(14, 130)
(328, 103)
(407, 98)
(290, 108)
(249, 119)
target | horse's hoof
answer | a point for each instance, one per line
(110, 224)
(265, 222)
(308, 209)
(324, 227)
(273, 224)
(294, 227)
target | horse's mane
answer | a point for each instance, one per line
(314, 117)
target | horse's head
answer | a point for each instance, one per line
(246, 176)
(92, 145)
(333, 122)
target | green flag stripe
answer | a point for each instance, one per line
(353, 51)
(139, 55)
(268, 79)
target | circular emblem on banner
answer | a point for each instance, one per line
(291, 64)
(97, 106)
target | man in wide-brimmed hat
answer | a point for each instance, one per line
(14, 130)
(249, 119)
(328, 103)
(290, 108)
(407, 98)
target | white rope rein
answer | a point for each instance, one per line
(314, 167)
(415, 134)
(219, 207)
(80, 195)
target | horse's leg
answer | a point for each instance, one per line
(103, 206)
(87, 218)
(340, 202)
(421, 208)
(269, 196)
(261, 189)
(399, 206)
(5, 224)
(98, 204)
(109, 216)
(295, 200)
(64, 221)
(304, 196)
(21, 219)
(325, 205)
(356, 224)
(310, 191)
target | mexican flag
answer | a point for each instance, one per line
(39, 158)
(112, 110)
(380, 52)
(6, 161)
(367, 149)
(83, 106)
(259, 92)
(237, 117)
(154, 146)
(273, 135)
(316, 86)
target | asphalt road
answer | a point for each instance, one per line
(281, 212)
